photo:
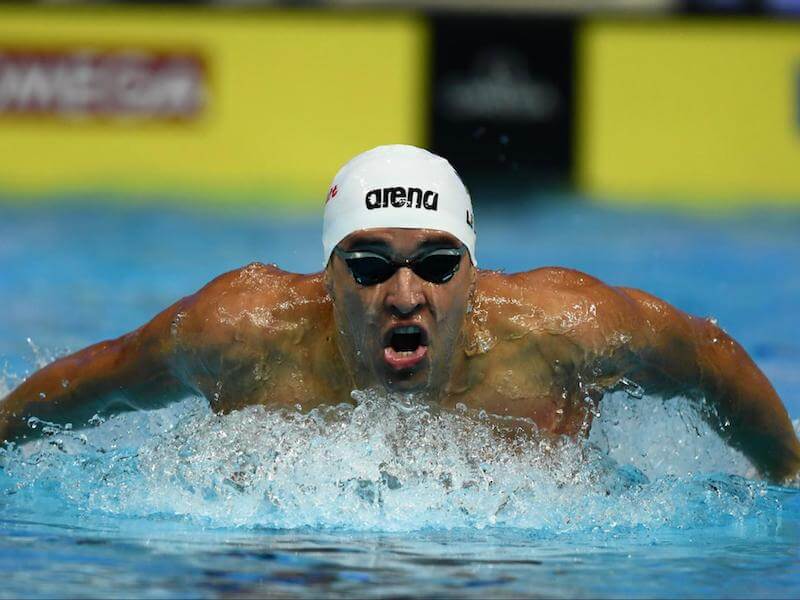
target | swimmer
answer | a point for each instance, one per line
(401, 307)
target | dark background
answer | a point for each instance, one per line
(502, 98)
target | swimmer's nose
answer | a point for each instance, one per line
(405, 295)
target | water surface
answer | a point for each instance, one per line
(385, 498)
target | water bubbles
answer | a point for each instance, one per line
(36, 352)
(217, 393)
(174, 327)
(633, 389)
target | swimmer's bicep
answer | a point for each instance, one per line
(692, 350)
(664, 343)
(130, 372)
(138, 368)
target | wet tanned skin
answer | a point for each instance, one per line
(544, 344)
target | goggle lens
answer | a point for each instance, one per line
(437, 268)
(369, 268)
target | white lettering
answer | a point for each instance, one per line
(104, 84)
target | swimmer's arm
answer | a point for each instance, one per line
(131, 372)
(680, 354)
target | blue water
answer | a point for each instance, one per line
(385, 499)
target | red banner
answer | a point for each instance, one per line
(106, 83)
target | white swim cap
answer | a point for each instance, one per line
(397, 186)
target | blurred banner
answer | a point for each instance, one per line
(202, 104)
(704, 111)
(502, 98)
(81, 83)
(263, 105)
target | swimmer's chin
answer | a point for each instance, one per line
(407, 381)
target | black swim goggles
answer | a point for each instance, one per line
(371, 268)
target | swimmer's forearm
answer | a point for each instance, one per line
(751, 412)
(678, 354)
(106, 378)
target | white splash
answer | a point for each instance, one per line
(392, 466)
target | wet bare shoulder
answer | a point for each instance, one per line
(555, 301)
(665, 326)
(250, 335)
(257, 299)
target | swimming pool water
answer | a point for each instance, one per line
(386, 499)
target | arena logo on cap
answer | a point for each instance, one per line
(402, 197)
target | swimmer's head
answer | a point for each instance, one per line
(401, 273)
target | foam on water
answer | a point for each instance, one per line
(389, 465)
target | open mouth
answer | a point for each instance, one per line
(405, 346)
